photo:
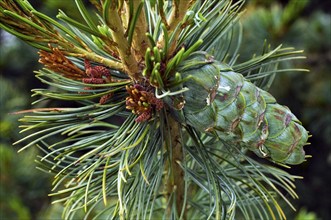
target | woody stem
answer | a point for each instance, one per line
(175, 184)
(125, 51)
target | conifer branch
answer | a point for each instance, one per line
(162, 14)
(78, 52)
(114, 21)
(140, 41)
(191, 118)
(175, 184)
(177, 15)
(39, 30)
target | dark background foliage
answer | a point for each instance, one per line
(24, 189)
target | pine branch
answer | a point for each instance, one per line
(177, 14)
(175, 184)
(78, 52)
(176, 18)
(25, 21)
(140, 41)
(185, 117)
(114, 21)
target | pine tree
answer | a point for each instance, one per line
(156, 118)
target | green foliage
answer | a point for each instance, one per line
(10, 100)
(108, 161)
(303, 214)
(276, 23)
(308, 95)
(19, 179)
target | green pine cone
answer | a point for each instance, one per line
(201, 75)
(223, 103)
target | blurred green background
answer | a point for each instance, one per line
(300, 23)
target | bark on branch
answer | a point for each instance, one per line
(176, 17)
(175, 183)
(140, 41)
(124, 50)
